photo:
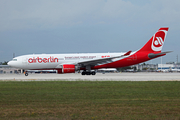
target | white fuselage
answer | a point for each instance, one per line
(50, 61)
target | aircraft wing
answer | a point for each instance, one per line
(102, 61)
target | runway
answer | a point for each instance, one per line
(97, 77)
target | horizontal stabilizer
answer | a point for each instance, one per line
(152, 55)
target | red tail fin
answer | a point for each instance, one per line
(156, 42)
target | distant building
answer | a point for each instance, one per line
(146, 67)
(8, 69)
(169, 67)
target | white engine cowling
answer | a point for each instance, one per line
(67, 68)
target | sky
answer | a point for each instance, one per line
(86, 26)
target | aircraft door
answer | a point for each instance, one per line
(24, 61)
(134, 57)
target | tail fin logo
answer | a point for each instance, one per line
(158, 40)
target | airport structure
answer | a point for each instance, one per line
(168, 67)
(172, 67)
(146, 67)
(8, 69)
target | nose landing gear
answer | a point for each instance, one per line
(26, 74)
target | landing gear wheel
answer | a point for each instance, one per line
(26, 74)
(93, 73)
(83, 73)
(88, 73)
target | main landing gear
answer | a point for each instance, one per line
(88, 73)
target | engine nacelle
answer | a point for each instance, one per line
(67, 68)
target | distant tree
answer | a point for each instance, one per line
(123, 69)
(145, 68)
(5, 63)
(134, 68)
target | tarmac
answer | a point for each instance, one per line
(143, 76)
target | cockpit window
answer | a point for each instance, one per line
(14, 60)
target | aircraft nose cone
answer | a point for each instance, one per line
(14, 63)
(9, 63)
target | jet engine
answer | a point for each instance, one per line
(67, 68)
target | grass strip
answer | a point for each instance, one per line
(69, 100)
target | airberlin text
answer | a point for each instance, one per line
(43, 60)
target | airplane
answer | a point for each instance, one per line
(89, 62)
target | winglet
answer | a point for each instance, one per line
(128, 53)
